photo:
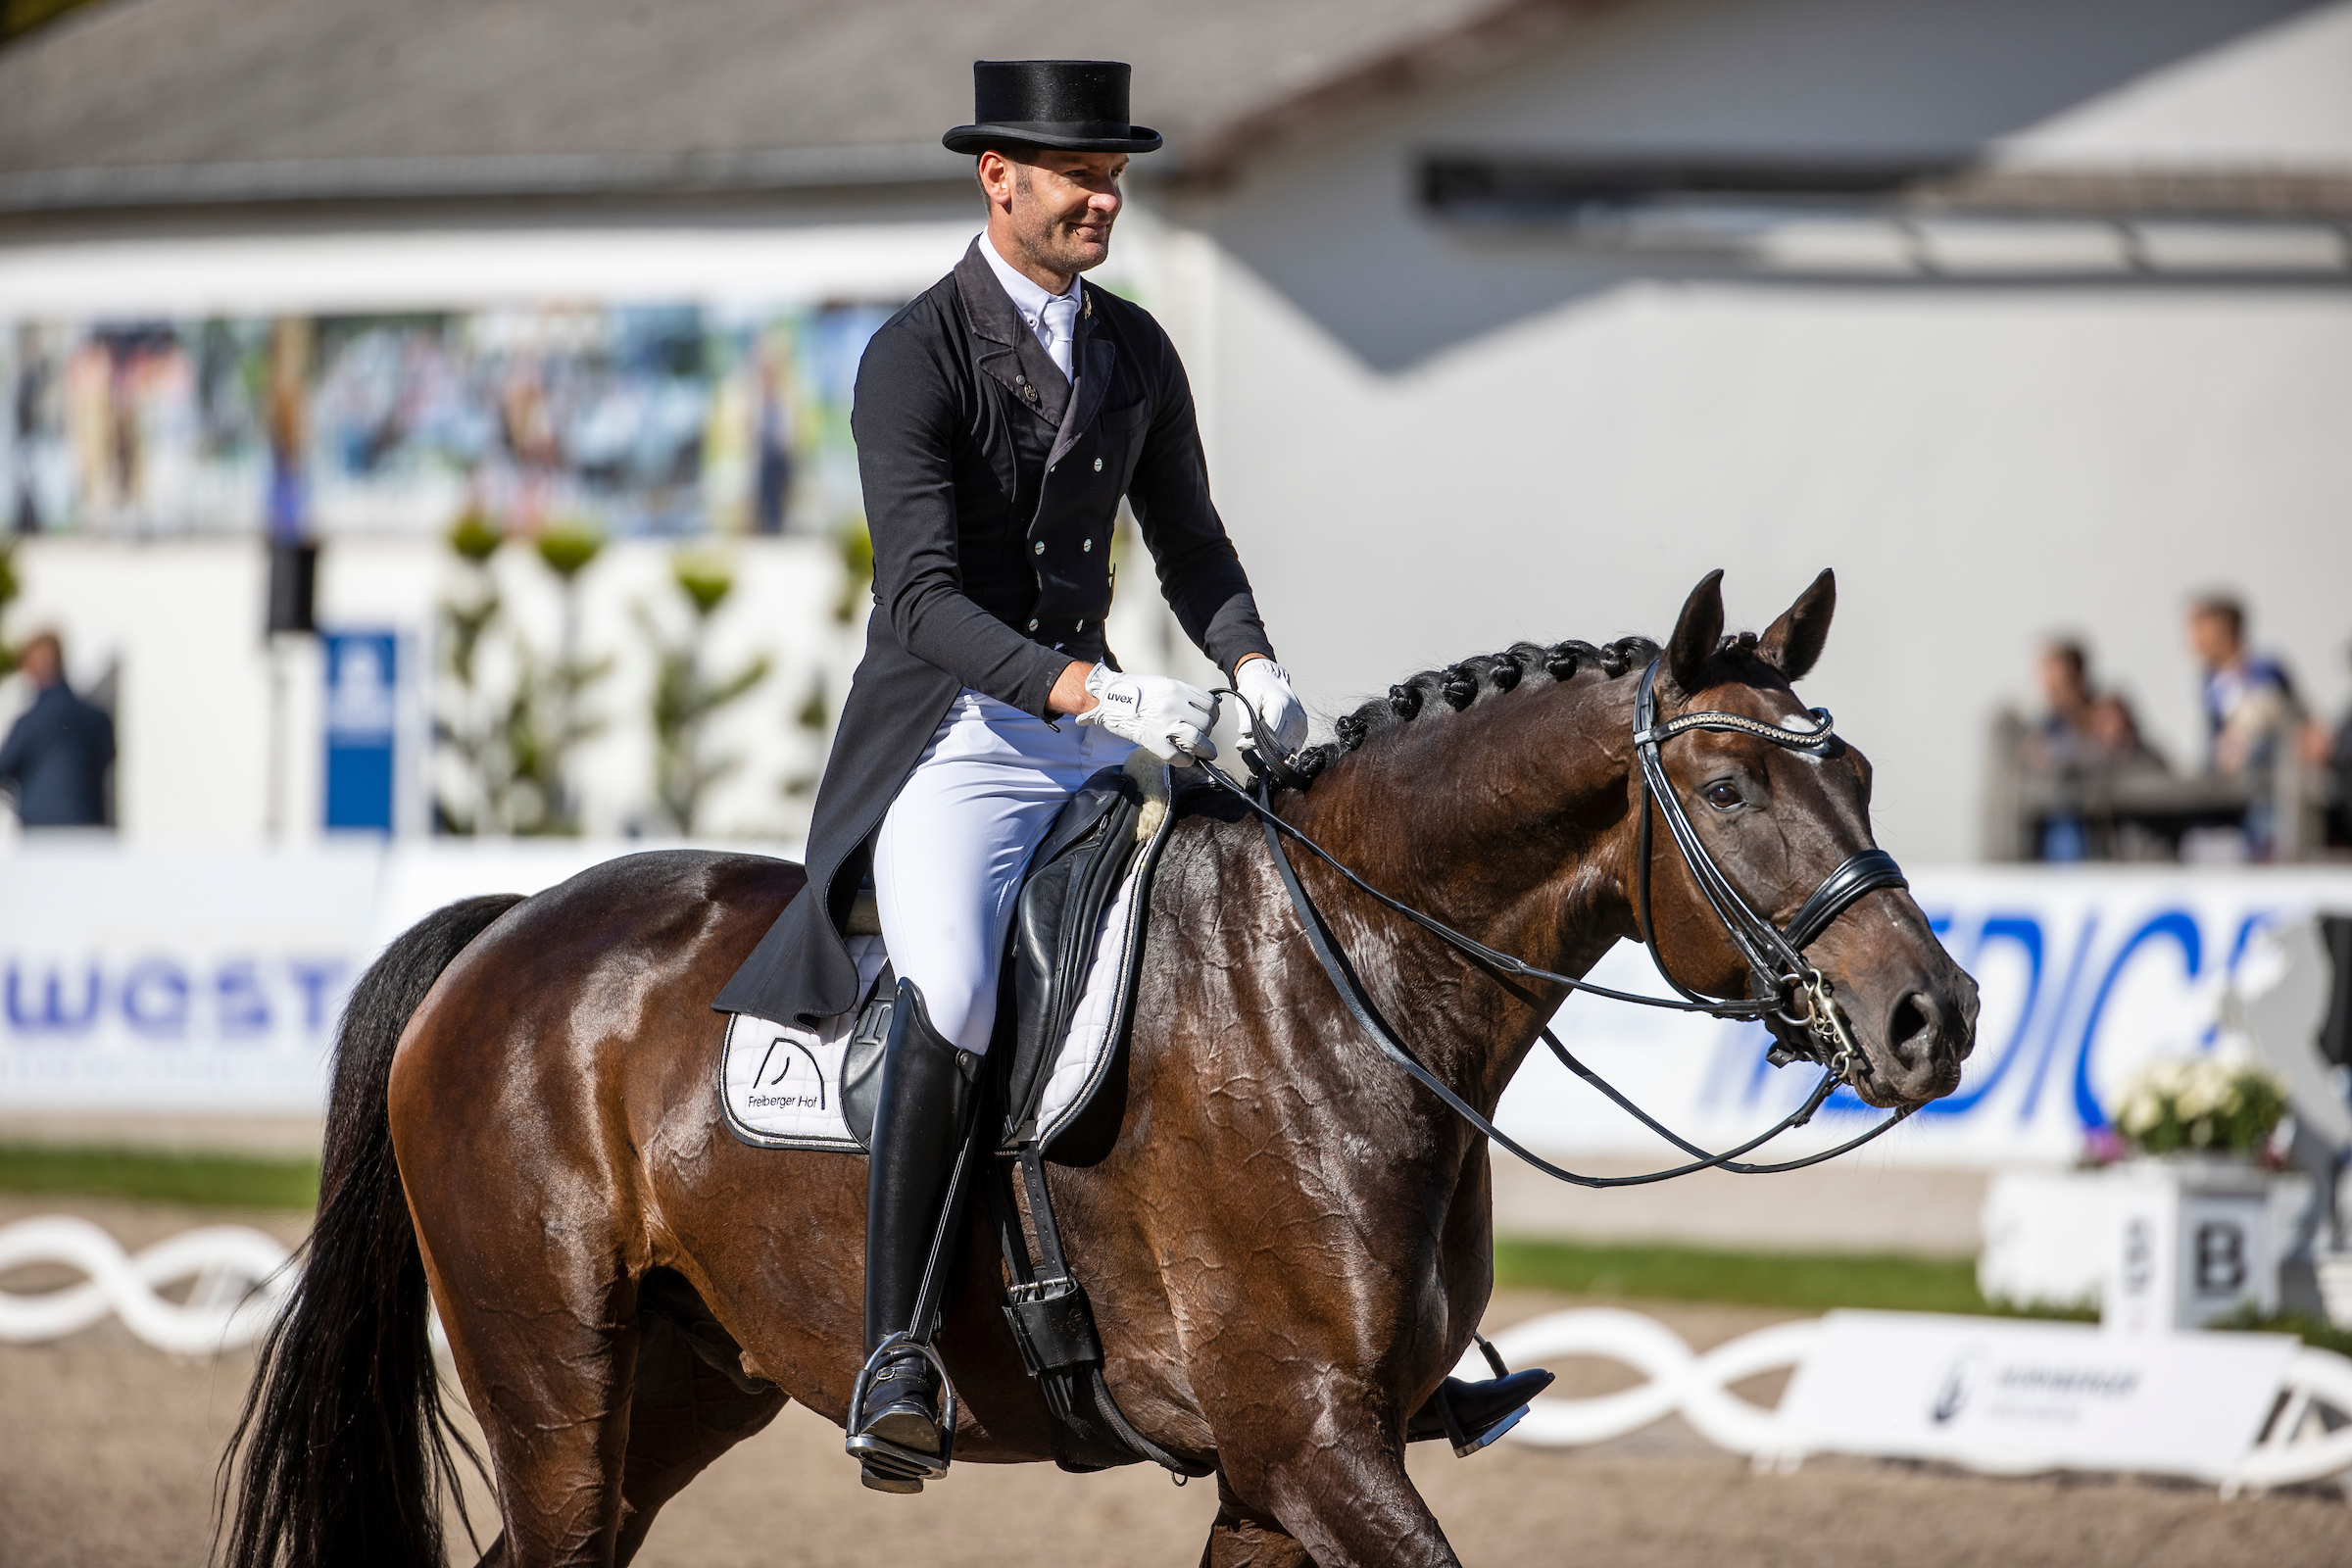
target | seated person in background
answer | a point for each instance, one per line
(2085, 728)
(2249, 702)
(58, 750)
(2059, 736)
(2085, 736)
(2113, 734)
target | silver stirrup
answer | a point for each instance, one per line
(890, 1459)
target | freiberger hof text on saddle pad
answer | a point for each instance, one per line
(782, 1086)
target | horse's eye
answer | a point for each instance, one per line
(1722, 797)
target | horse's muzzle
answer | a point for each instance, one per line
(1913, 1049)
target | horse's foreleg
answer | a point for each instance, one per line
(1334, 1479)
(1244, 1537)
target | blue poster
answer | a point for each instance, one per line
(362, 713)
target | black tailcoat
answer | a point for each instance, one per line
(992, 484)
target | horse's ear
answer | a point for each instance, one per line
(1696, 633)
(1792, 643)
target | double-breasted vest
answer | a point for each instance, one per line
(992, 485)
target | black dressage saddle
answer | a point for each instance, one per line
(1071, 879)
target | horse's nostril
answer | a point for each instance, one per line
(1911, 1027)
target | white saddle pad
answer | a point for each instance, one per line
(781, 1083)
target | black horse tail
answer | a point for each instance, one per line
(346, 1444)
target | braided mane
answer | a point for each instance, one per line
(1457, 686)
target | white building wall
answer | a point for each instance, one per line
(1429, 441)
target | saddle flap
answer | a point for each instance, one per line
(1063, 1011)
(861, 1059)
(1078, 868)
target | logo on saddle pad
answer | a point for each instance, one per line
(798, 1084)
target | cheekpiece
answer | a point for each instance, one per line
(1075, 105)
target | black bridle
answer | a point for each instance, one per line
(1781, 979)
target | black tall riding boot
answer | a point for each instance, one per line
(927, 1085)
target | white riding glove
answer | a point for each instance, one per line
(1166, 717)
(1279, 717)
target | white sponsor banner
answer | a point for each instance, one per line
(133, 979)
(2085, 975)
(141, 980)
(175, 981)
(2012, 1396)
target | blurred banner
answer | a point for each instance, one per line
(152, 981)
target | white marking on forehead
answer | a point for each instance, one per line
(1804, 723)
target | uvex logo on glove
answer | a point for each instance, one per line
(1166, 717)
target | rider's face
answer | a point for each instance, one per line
(1052, 211)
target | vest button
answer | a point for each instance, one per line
(1040, 547)
(1033, 625)
(1088, 546)
(1098, 464)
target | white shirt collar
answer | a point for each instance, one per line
(1028, 296)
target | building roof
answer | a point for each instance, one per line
(146, 102)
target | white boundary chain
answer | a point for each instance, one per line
(2296, 1447)
(237, 1284)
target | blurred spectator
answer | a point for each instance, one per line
(58, 750)
(2085, 735)
(2330, 757)
(2061, 734)
(2249, 701)
(2250, 710)
(2114, 732)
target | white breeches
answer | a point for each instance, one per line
(949, 860)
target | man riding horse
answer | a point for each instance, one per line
(999, 420)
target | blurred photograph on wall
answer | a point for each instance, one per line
(635, 420)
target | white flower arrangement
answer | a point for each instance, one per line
(2202, 1105)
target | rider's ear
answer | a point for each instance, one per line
(1792, 643)
(1696, 633)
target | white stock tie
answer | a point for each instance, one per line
(1058, 327)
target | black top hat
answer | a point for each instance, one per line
(1078, 105)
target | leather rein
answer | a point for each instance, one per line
(1786, 989)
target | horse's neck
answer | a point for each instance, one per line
(1503, 822)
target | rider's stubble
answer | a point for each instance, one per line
(1050, 212)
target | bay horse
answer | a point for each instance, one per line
(1288, 1243)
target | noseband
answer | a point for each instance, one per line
(1794, 999)
(1781, 979)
